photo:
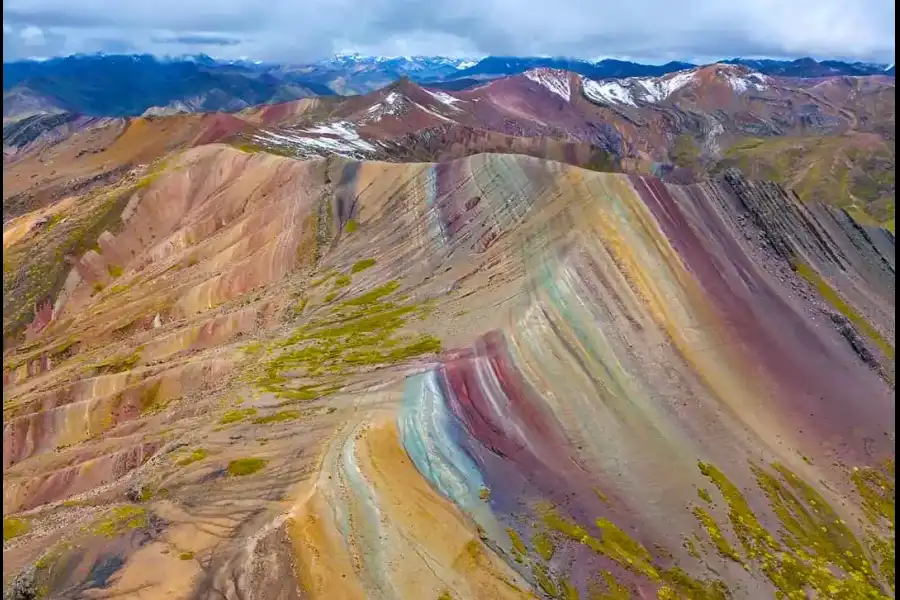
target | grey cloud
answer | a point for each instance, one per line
(290, 31)
(196, 39)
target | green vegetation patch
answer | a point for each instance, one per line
(35, 269)
(835, 169)
(685, 152)
(245, 466)
(519, 548)
(324, 278)
(362, 265)
(14, 527)
(342, 281)
(152, 399)
(252, 148)
(300, 306)
(876, 488)
(195, 456)
(120, 519)
(544, 545)
(278, 417)
(115, 270)
(816, 551)
(361, 332)
(234, 416)
(119, 363)
(351, 226)
(253, 348)
(831, 296)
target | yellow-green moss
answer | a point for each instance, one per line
(317, 282)
(750, 532)
(715, 534)
(373, 296)
(831, 296)
(120, 519)
(609, 589)
(14, 527)
(876, 488)
(484, 493)
(119, 363)
(569, 591)
(253, 348)
(816, 552)
(704, 495)
(115, 270)
(248, 148)
(300, 306)
(360, 332)
(519, 548)
(632, 555)
(35, 267)
(543, 580)
(601, 496)
(362, 265)
(152, 399)
(233, 416)
(351, 226)
(195, 456)
(186, 556)
(245, 466)
(543, 544)
(278, 417)
(689, 545)
(342, 281)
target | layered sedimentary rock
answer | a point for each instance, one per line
(492, 377)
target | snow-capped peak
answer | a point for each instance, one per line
(632, 90)
(740, 78)
(553, 79)
(392, 104)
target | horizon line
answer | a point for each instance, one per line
(478, 58)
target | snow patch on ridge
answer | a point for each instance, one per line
(633, 89)
(432, 113)
(658, 89)
(753, 81)
(444, 98)
(339, 137)
(392, 104)
(553, 79)
(741, 81)
(608, 92)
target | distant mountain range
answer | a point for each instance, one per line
(130, 85)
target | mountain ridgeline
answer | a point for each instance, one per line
(129, 85)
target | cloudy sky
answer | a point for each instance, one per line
(305, 30)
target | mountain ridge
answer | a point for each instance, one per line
(129, 85)
(254, 359)
(681, 126)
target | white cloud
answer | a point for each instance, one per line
(287, 30)
(32, 36)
